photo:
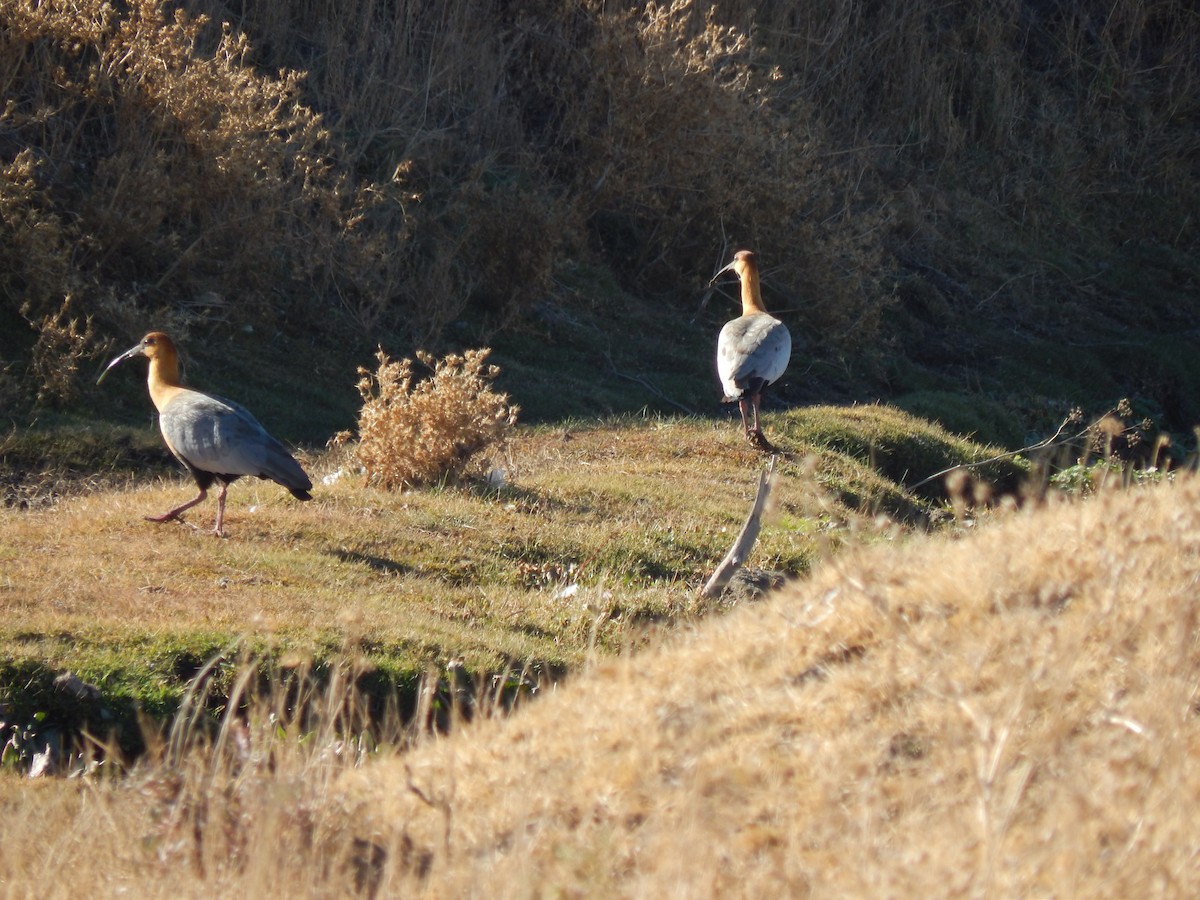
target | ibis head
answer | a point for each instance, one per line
(742, 261)
(156, 346)
(745, 265)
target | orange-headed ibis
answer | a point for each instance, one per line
(215, 439)
(753, 350)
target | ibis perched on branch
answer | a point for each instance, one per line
(753, 350)
(215, 439)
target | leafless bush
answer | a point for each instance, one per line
(431, 129)
(421, 431)
(62, 343)
(687, 138)
(34, 253)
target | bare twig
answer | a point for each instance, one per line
(746, 537)
(638, 379)
(1052, 441)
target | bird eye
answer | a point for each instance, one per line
(149, 342)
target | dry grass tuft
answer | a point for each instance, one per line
(425, 431)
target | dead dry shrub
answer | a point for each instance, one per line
(34, 240)
(291, 159)
(686, 144)
(63, 342)
(223, 156)
(175, 167)
(415, 431)
(429, 124)
(35, 271)
(403, 161)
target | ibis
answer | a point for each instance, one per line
(753, 350)
(215, 439)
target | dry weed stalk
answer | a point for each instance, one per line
(212, 784)
(424, 431)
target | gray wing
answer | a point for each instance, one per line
(222, 437)
(752, 347)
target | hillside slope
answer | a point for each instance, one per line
(1010, 715)
(992, 201)
(1006, 713)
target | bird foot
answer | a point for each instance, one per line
(760, 442)
(169, 517)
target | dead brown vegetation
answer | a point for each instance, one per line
(1007, 715)
(424, 430)
(395, 164)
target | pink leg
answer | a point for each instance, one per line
(745, 419)
(219, 531)
(174, 514)
(757, 438)
(750, 418)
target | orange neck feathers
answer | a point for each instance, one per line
(751, 293)
(163, 377)
(746, 266)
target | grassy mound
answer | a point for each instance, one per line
(587, 538)
(991, 713)
(978, 716)
(873, 455)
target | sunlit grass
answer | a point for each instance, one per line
(979, 716)
(976, 714)
(460, 571)
(590, 538)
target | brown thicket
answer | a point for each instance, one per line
(398, 163)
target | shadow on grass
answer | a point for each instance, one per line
(378, 563)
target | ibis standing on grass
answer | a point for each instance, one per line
(753, 350)
(215, 439)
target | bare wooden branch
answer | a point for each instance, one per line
(746, 537)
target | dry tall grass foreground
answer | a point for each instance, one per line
(1009, 713)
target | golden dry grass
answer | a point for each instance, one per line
(1009, 712)
(1007, 715)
